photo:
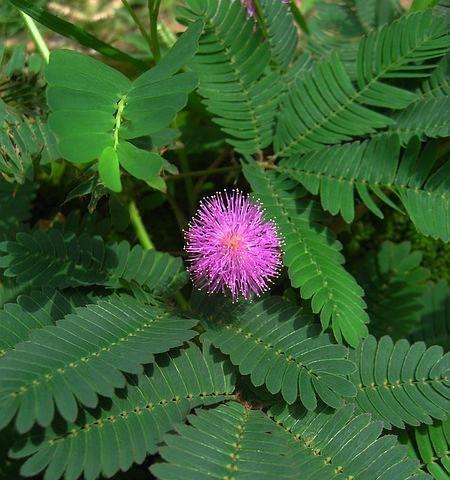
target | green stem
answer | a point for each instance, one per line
(139, 24)
(260, 16)
(153, 11)
(139, 228)
(298, 17)
(200, 173)
(38, 39)
(119, 112)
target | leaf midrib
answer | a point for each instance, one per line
(351, 100)
(49, 374)
(238, 78)
(268, 346)
(353, 181)
(99, 423)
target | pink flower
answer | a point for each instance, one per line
(231, 248)
(250, 6)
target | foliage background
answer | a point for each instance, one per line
(64, 193)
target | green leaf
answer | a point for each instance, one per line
(230, 441)
(345, 168)
(232, 66)
(108, 168)
(281, 348)
(139, 163)
(422, 4)
(337, 173)
(407, 44)
(429, 444)
(74, 32)
(394, 283)
(23, 143)
(438, 84)
(426, 195)
(426, 117)
(434, 328)
(83, 356)
(335, 106)
(184, 48)
(312, 256)
(334, 111)
(96, 111)
(375, 13)
(35, 310)
(282, 34)
(401, 383)
(134, 423)
(327, 444)
(66, 260)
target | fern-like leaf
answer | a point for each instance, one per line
(323, 109)
(83, 356)
(36, 310)
(374, 13)
(429, 444)
(402, 383)
(282, 349)
(230, 441)
(426, 117)
(53, 259)
(394, 283)
(312, 256)
(327, 108)
(23, 142)
(230, 64)
(328, 444)
(438, 84)
(434, 328)
(372, 167)
(134, 422)
(281, 31)
(406, 43)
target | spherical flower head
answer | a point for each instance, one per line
(231, 247)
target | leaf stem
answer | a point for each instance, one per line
(153, 11)
(261, 19)
(298, 17)
(38, 39)
(139, 24)
(119, 111)
(139, 228)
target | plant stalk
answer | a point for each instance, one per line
(260, 17)
(139, 228)
(38, 39)
(138, 23)
(153, 11)
(298, 17)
